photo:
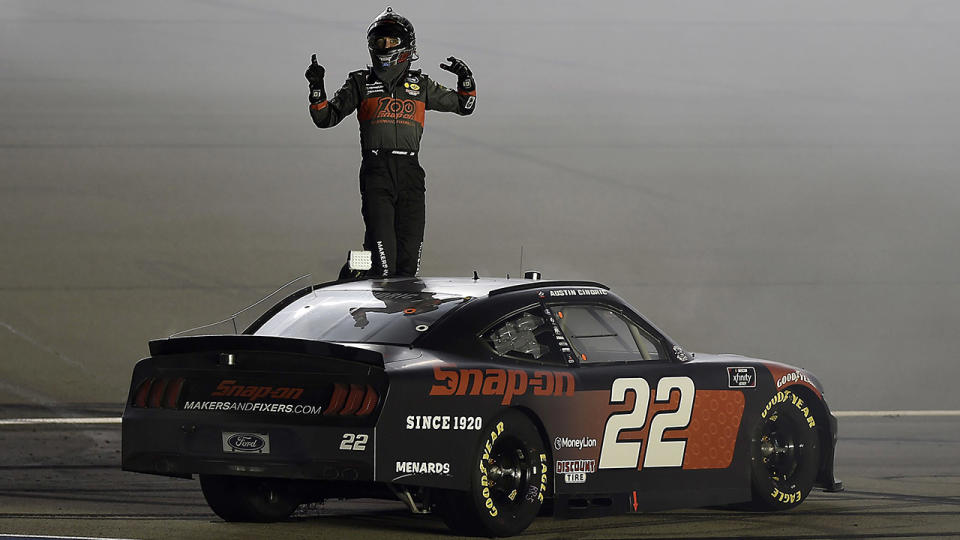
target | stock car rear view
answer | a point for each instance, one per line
(489, 401)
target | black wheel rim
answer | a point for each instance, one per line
(509, 467)
(779, 449)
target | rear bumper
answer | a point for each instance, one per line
(182, 443)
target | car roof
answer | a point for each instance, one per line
(447, 286)
(456, 286)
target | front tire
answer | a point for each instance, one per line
(508, 481)
(258, 500)
(785, 453)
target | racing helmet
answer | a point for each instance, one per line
(391, 39)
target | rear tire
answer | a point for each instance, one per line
(508, 481)
(785, 453)
(240, 498)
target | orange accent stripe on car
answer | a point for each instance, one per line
(156, 393)
(172, 394)
(140, 399)
(353, 400)
(369, 402)
(712, 433)
(337, 399)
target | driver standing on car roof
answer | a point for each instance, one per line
(390, 100)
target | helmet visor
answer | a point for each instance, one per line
(387, 35)
(385, 42)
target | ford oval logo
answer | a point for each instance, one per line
(246, 442)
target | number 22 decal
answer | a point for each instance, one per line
(616, 454)
(353, 441)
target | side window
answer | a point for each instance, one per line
(599, 334)
(527, 336)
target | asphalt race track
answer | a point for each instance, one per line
(902, 479)
(770, 178)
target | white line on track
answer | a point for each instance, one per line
(105, 420)
(46, 537)
(36, 421)
(840, 414)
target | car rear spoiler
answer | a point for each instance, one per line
(237, 342)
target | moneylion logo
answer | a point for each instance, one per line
(583, 442)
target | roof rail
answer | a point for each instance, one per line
(545, 284)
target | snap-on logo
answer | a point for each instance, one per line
(246, 442)
(230, 388)
(396, 108)
(500, 382)
(388, 109)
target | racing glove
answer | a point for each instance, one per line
(465, 81)
(314, 76)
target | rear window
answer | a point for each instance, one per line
(394, 318)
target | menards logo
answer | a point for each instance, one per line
(230, 388)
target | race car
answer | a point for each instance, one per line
(489, 401)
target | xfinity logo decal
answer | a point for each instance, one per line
(584, 442)
(742, 377)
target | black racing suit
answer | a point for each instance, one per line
(391, 115)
